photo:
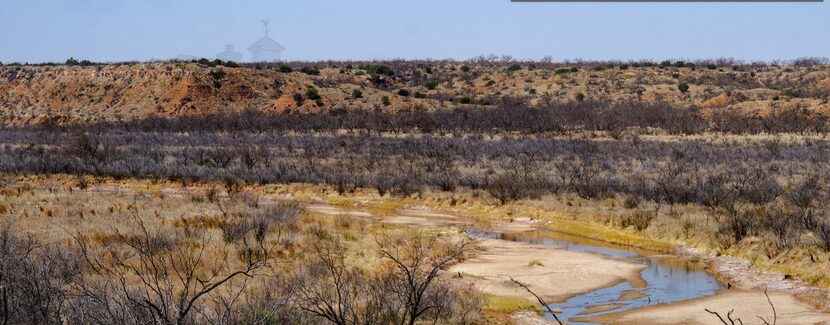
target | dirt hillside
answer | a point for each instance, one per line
(35, 94)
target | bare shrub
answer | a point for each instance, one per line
(735, 226)
(34, 279)
(338, 293)
(416, 290)
(784, 225)
(822, 232)
(408, 291)
(164, 276)
(640, 220)
(509, 187)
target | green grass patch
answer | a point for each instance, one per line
(507, 304)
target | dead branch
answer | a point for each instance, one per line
(774, 314)
(542, 302)
(728, 317)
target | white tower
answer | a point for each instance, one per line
(266, 49)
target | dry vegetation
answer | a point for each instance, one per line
(49, 93)
(716, 155)
(122, 257)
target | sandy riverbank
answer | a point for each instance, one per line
(747, 305)
(553, 273)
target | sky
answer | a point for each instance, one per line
(126, 30)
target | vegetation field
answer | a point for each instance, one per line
(340, 192)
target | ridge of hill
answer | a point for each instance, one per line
(62, 94)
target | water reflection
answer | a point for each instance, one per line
(667, 279)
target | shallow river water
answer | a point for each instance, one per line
(667, 279)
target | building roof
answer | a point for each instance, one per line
(266, 43)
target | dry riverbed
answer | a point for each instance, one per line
(554, 274)
(747, 306)
(557, 274)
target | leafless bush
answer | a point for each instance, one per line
(822, 232)
(166, 276)
(416, 290)
(407, 292)
(34, 279)
(784, 225)
(735, 225)
(338, 293)
(510, 187)
(640, 220)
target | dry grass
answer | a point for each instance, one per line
(50, 208)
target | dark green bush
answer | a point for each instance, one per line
(284, 68)
(311, 93)
(513, 68)
(378, 69)
(217, 74)
(298, 98)
(311, 71)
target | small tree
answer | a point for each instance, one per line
(298, 99)
(311, 71)
(418, 258)
(683, 87)
(312, 93)
(284, 68)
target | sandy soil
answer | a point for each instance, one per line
(515, 225)
(331, 210)
(415, 221)
(530, 318)
(739, 273)
(747, 305)
(562, 274)
(631, 295)
(600, 308)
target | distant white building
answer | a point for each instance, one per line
(229, 54)
(266, 49)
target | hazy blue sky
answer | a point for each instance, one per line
(113, 30)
